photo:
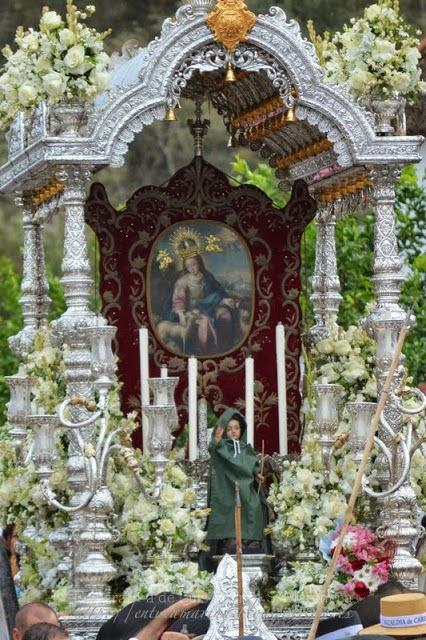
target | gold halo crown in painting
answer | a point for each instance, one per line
(187, 243)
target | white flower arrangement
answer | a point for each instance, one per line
(376, 57)
(307, 502)
(299, 590)
(65, 59)
(158, 531)
(165, 574)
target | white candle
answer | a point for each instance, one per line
(144, 374)
(250, 400)
(282, 388)
(192, 408)
(164, 372)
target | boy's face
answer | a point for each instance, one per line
(233, 429)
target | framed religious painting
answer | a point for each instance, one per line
(200, 289)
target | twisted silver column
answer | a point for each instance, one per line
(35, 300)
(326, 285)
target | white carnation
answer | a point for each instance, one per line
(382, 50)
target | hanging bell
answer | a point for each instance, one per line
(170, 115)
(290, 116)
(230, 75)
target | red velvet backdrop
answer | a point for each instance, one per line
(200, 191)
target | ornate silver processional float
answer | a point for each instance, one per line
(333, 145)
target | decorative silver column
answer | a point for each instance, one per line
(69, 329)
(35, 300)
(326, 285)
(361, 414)
(398, 510)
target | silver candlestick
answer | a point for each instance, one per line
(326, 417)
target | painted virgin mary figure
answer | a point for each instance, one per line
(202, 313)
(233, 460)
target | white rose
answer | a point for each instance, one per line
(50, 21)
(171, 497)
(371, 388)
(74, 57)
(167, 526)
(55, 85)
(66, 37)
(27, 94)
(297, 517)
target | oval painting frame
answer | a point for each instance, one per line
(200, 289)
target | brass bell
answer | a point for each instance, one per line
(290, 116)
(170, 115)
(230, 75)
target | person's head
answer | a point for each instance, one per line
(45, 631)
(338, 627)
(235, 427)
(10, 537)
(31, 614)
(194, 265)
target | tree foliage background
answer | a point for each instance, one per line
(160, 149)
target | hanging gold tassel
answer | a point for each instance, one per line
(290, 116)
(170, 115)
(230, 75)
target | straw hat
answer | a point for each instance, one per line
(403, 614)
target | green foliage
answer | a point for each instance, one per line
(262, 177)
(354, 248)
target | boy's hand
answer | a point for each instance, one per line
(218, 435)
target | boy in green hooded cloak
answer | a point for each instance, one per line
(233, 460)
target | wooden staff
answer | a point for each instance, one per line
(262, 465)
(239, 551)
(357, 484)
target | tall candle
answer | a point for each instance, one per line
(144, 375)
(282, 388)
(250, 400)
(164, 372)
(192, 408)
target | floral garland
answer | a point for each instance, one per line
(376, 57)
(63, 60)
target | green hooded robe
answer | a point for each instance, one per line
(230, 462)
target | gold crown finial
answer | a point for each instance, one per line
(231, 21)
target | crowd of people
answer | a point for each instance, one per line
(393, 612)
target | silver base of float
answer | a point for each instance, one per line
(285, 626)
